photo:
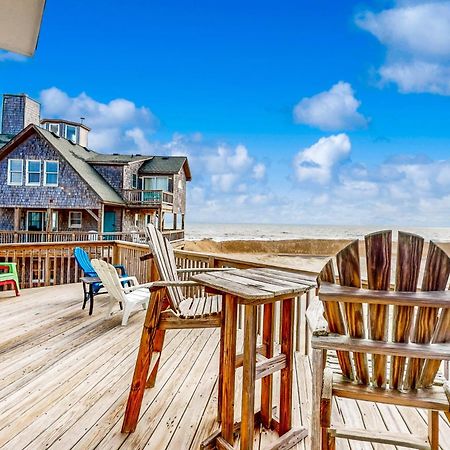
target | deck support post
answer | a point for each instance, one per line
(16, 223)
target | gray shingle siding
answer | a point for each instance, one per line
(112, 174)
(6, 219)
(72, 191)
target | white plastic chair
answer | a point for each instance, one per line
(130, 297)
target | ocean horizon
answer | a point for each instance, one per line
(246, 232)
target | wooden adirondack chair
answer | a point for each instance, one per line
(390, 350)
(130, 297)
(168, 309)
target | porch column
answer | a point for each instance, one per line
(101, 214)
(174, 222)
(16, 219)
(49, 219)
(16, 223)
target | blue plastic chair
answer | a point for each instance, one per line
(84, 262)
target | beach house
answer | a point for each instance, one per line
(52, 182)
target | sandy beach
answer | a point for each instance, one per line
(303, 254)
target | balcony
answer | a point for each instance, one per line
(152, 198)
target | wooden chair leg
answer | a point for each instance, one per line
(317, 381)
(157, 347)
(325, 410)
(142, 364)
(433, 429)
(220, 377)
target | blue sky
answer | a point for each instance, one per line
(293, 112)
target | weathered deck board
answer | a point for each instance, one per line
(64, 380)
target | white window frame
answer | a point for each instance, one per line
(76, 225)
(27, 172)
(155, 178)
(76, 133)
(45, 173)
(54, 220)
(52, 124)
(9, 182)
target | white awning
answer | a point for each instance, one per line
(20, 22)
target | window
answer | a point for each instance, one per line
(136, 220)
(156, 183)
(71, 133)
(51, 170)
(15, 172)
(33, 173)
(54, 220)
(75, 219)
(53, 127)
(148, 218)
(134, 181)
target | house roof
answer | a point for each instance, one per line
(164, 165)
(5, 138)
(82, 160)
(115, 158)
(77, 157)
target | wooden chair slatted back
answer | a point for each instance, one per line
(436, 273)
(350, 275)
(378, 263)
(333, 315)
(110, 279)
(423, 325)
(164, 258)
(409, 256)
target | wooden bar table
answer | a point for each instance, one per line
(251, 288)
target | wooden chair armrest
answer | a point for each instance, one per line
(205, 269)
(411, 350)
(155, 285)
(431, 299)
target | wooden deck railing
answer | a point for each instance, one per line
(11, 237)
(46, 264)
(147, 197)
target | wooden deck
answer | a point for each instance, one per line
(64, 379)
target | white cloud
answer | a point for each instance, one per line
(115, 125)
(335, 110)
(10, 56)
(417, 37)
(316, 163)
(259, 171)
(418, 76)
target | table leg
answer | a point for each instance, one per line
(229, 316)
(249, 378)
(287, 347)
(91, 298)
(267, 382)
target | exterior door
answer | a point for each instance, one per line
(109, 222)
(35, 220)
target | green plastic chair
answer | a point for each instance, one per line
(10, 277)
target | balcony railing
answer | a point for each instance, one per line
(11, 237)
(147, 197)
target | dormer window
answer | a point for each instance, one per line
(53, 128)
(71, 133)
